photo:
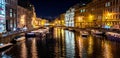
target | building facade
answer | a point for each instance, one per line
(11, 14)
(24, 17)
(2, 16)
(98, 13)
(69, 17)
(8, 15)
(62, 20)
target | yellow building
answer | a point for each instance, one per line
(98, 13)
(62, 20)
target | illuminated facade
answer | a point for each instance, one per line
(69, 17)
(11, 14)
(24, 17)
(62, 20)
(8, 15)
(98, 13)
(2, 16)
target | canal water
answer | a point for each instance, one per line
(61, 43)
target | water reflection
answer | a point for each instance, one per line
(59, 35)
(23, 50)
(34, 48)
(107, 49)
(62, 43)
(90, 45)
(81, 46)
(70, 44)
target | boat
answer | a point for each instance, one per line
(37, 33)
(113, 35)
(96, 32)
(30, 34)
(84, 33)
(2, 46)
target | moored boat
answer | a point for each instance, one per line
(84, 33)
(113, 35)
(96, 32)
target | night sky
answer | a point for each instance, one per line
(52, 8)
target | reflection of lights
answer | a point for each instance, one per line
(107, 52)
(33, 48)
(90, 47)
(80, 43)
(70, 44)
(23, 50)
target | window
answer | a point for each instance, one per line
(11, 12)
(82, 10)
(107, 4)
(14, 15)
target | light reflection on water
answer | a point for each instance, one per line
(70, 44)
(23, 50)
(65, 44)
(34, 48)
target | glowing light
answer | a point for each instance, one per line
(91, 18)
(90, 47)
(80, 19)
(22, 20)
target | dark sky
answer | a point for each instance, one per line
(53, 8)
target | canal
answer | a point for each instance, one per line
(59, 43)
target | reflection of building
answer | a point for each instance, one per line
(100, 12)
(69, 18)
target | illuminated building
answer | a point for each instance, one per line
(25, 14)
(2, 16)
(99, 13)
(69, 17)
(8, 12)
(24, 17)
(62, 20)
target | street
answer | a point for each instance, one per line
(59, 43)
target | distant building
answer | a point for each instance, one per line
(62, 19)
(2, 16)
(69, 17)
(99, 13)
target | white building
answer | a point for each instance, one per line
(2, 16)
(69, 17)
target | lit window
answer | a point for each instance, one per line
(14, 15)
(10, 10)
(107, 4)
(10, 14)
(83, 10)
